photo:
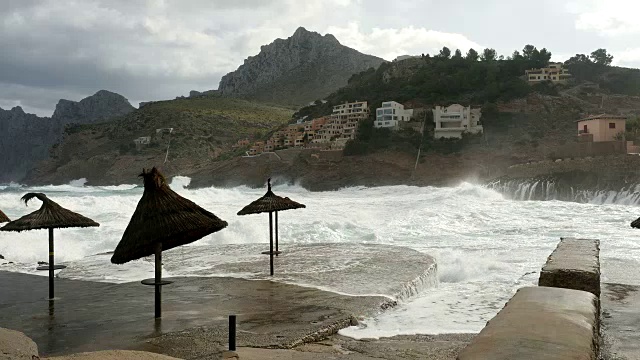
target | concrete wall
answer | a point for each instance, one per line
(615, 168)
(540, 323)
(589, 148)
(557, 320)
(574, 264)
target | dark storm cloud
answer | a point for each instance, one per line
(149, 50)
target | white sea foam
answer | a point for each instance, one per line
(486, 245)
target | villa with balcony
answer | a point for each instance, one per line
(555, 72)
(391, 114)
(454, 120)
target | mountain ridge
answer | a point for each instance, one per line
(27, 138)
(296, 71)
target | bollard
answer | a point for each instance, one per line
(232, 333)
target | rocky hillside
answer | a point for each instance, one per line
(27, 138)
(296, 71)
(98, 107)
(204, 130)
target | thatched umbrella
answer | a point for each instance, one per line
(271, 203)
(3, 218)
(162, 220)
(636, 223)
(49, 216)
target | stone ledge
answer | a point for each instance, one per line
(574, 264)
(540, 323)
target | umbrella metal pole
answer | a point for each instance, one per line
(158, 307)
(271, 241)
(276, 233)
(51, 263)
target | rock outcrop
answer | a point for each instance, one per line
(15, 345)
(26, 138)
(99, 107)
(295, 71)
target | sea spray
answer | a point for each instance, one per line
(539, 189)
(486, 244)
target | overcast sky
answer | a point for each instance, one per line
(155, 49)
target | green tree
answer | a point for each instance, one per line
(516, 55)
(578, 59)
(488, 55)
(542, 57)
(472, 55)
(457, 54)
(445, 53)
(601, 57)
(633, 129)
(528, 51)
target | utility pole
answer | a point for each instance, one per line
(424, 122)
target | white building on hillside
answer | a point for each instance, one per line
(390, 114)
(456, 119)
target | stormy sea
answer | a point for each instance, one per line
(487, 244)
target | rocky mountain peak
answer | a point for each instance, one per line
(17, 110)
(303, 35)
(27, 138)
(97, 107)
(295, 71)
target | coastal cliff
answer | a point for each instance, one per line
(26, 138)
(295, 71)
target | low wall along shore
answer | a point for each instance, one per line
(557, 320)
(540, 323)
(609, 168)
(574, 264)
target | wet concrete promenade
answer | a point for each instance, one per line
(90, 316)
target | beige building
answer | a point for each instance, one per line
(343, 123)
(241, 143)
(555, 72)
(456, 119)
(257, 148)
(603, 127)
(347, 116)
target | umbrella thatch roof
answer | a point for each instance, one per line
(3, 218)
(270, 202)
(163, 216)
(49, 216)
(636, 223)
